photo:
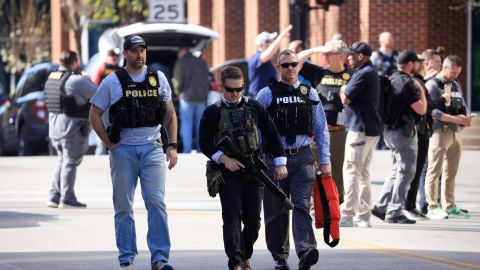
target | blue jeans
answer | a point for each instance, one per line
(127, 164)
(190, 115)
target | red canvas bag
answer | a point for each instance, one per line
(327, 208)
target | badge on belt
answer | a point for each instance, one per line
(445, 128)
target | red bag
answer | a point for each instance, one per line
(327, 208)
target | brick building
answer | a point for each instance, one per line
(415, 24)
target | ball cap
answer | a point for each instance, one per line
(406, 56)
(360, 47)
(264, 37)
(132, 42)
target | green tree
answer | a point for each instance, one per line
(79, 14)
(118, 11)
(24, 33)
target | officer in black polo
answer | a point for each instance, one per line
(239, 118)
(297, 112)
(404, 104)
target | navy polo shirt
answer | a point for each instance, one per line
(363, 89)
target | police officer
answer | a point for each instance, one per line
(67, 95)
(331, 79)
(362, 121)
(297, 112)
(445, 143)
(408, 102)
(239, 118)
(139, 101)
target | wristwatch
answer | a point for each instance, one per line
(174, 145)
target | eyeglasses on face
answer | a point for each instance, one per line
(286, 65)
(231, 90)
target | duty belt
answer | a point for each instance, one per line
(295, 151)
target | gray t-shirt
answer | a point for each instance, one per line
(110, 91)
(82, 90)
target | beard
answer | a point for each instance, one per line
(137, 64)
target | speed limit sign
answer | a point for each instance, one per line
(167, 11)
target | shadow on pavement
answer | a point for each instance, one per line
(10, 219)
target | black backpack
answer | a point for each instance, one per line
(386, 96)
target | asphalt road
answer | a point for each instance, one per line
(34, 237)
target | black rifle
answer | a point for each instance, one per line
(256, 168)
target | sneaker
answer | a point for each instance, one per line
(414, 214)
(164, 265)
(378, 214)
(346, 222)
(73, 204)
(362, 223)
(307, 259)
(126, 266)
(424, 210)
(457, 212)
(401, 219)
(246, 265)
(437, 213)
(281, 265)
(52, 204)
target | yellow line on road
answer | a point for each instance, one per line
(451, 264)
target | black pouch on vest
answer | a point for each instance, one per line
(214, 178)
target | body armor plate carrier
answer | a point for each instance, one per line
(57, 100)
(456, 103)
(141, 104)
(240, 125)
(291, 109)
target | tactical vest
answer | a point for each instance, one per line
(399, 113)
(57, 100)
(291, 109)
(456, 103)
(141, 105)
(240, 125)
(329, 89)
(109, 69)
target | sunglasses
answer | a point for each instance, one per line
(286, 65)
(231, 90)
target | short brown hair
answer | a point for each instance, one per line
(231, 72)
(286, 52)
(452, 61)
(67, 58)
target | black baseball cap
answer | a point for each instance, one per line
(360, 47)
(406, 56)
(132, 42)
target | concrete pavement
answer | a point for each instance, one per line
(33, 236)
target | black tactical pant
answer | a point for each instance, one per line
(241, 199)
(423, 140)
